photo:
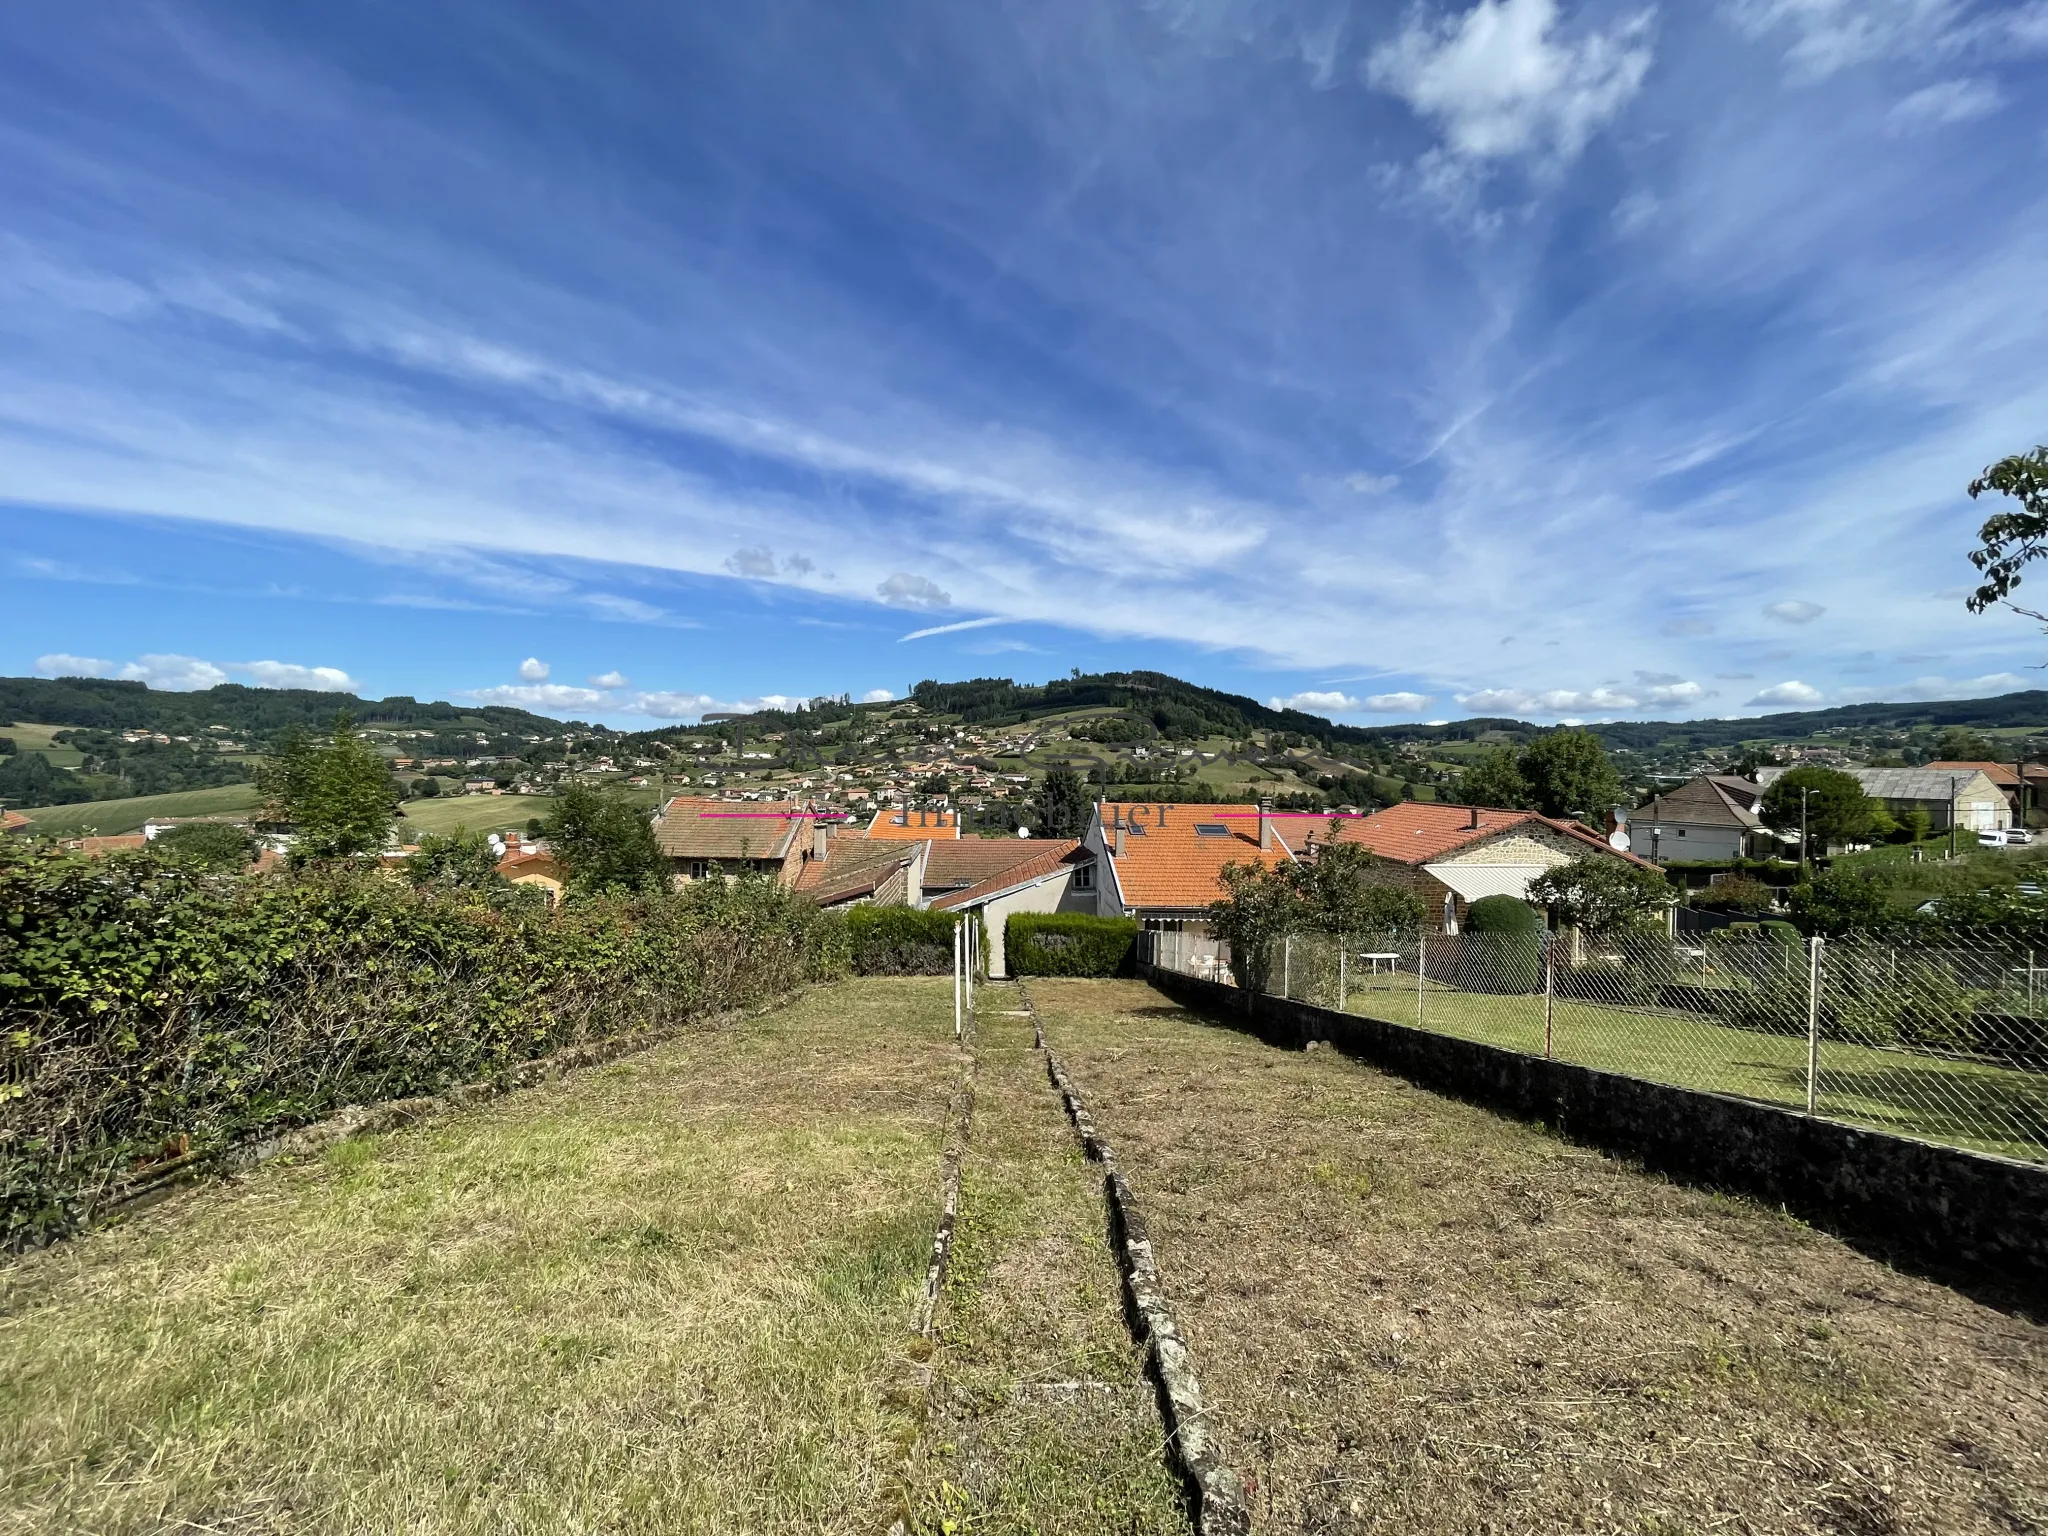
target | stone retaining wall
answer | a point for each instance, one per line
(1972, 1219)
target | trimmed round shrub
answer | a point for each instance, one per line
(1504, 950)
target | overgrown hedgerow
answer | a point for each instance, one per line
(149, 1010)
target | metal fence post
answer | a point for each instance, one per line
(1421, 971)
(958, 949)
(1813, 1021)
(1342, 993)
(1287, 966)
(1549, 979)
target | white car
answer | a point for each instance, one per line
(2013, 837)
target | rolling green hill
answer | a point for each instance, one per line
(110, 704)
(116, 818)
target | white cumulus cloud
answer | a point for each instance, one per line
(904, 590)
(1922, 689)
(1651, 690)
(609, 680)
(1788, 693)
(183, 674)
(1501, 80)
(64, 664)
(1332, 702)
(534, 670)
(877, 696)
(541, 696)
(1371, 485)
(1794, 611)
(285, 674)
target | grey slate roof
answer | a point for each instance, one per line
(1907, 783)
(1710, 801)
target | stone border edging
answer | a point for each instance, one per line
(1220, 1507)
(959, 1134)
(1971, 1220)
(355, 1120)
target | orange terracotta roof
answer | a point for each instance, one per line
(698, 827)
(517, 863)
(2000, 774)
(93, 847)
(12, 821)
(852, 866)
(970, 860)
(1419, 831)
(1045, 861)
(912, 826)
(1170, 863)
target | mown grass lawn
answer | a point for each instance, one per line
(670, 1294)
(1974, 1104)
(117, 818)
(1413, 1316)
(1041, 1417)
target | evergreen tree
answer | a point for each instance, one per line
(605, 843)
(337, 794)
(1060, 808)
(1496, 780)
(1569, 775)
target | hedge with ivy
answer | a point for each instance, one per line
(1069, 944)
(151, 1010)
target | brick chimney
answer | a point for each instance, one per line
(1473, 824)
(1268, 834)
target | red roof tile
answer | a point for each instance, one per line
(902, 824)
(1046, 860)
(1170, 863)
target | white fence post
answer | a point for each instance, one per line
(1287, 966)
(1813, 946)
(1421, 971)
(1343, 946)
(958, 950)
(1549, 988)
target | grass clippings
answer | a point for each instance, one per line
(1040, 1416)
(1415, 1316)
(669, 1294)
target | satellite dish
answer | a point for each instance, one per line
(1618, 839)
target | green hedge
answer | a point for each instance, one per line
(151, 1010)
(1069, 944)
(901, 941)
(1504, 953)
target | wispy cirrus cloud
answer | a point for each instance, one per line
(1275, 428)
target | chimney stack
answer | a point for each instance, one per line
(1473, 824)
(1117, 821)
(819, 834)
(1266, 828)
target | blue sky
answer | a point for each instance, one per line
(627, 360)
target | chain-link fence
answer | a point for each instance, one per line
(1946, 1042)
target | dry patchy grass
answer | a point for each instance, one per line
(1415, 1316)
(670, 1294)
(1041, 1418)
